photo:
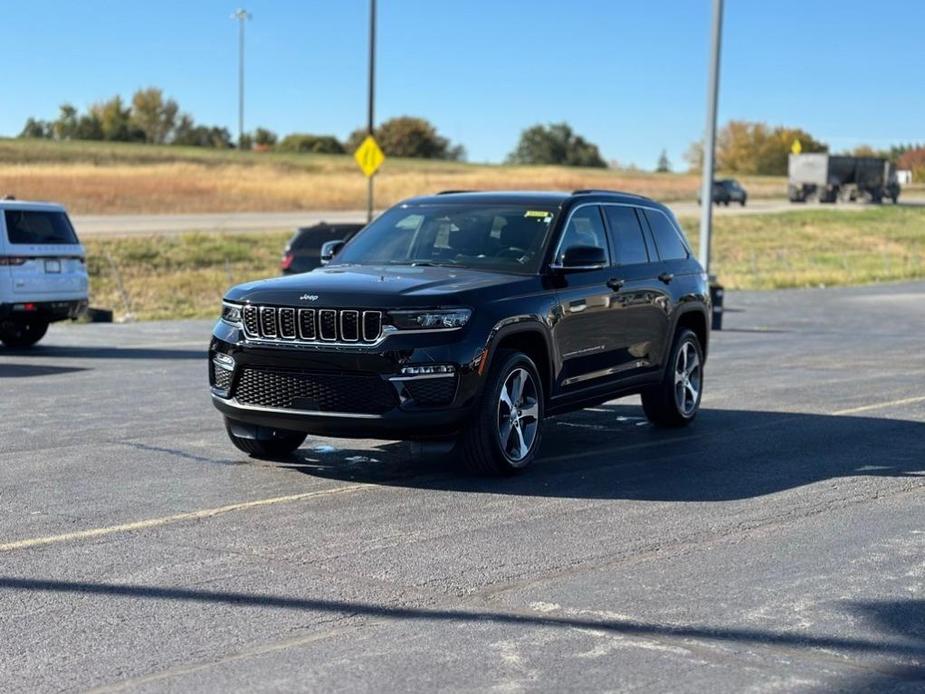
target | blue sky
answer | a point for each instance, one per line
(628, 75)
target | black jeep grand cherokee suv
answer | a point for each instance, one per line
(469, 316)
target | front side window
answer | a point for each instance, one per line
(667, 238)
(585, 228)
(38, 227)
(629, 245)
(506, 238)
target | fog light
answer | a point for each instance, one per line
(224, 361)
(431, 370)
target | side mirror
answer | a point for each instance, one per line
(582, 258)
(329, 249)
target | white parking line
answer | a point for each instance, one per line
(880, 405)
(177, 518)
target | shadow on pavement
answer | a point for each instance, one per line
(28, 370)
(613, 453)
(881, 615)
(103, 352)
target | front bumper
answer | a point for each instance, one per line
(50, 311)
(354, 393)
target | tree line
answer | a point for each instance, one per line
(150, 117)
(746, 147)
(742, 147)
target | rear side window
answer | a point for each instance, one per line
(667, 238)
(629, 245)
(38, 227)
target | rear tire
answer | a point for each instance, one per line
(279, 444)
(676, 400)
(17, 334)
(507, 427)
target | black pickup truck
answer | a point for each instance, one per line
(469, 317)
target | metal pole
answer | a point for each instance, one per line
(242, 16)
(372, 93)
(709, 144)
(241, 84)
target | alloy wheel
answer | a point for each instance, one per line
(688, 377)
(518, 415)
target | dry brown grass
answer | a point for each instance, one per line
(93, 178)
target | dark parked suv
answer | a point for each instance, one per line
(469, 317)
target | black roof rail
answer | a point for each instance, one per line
(9, 197)
(589, 191)
(450, 192)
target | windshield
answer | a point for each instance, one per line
(506, 238)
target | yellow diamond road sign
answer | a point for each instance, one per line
(369, 156)
(797, 147)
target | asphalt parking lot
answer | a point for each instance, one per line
(777, 544)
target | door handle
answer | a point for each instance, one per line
(666, 277)
(615, 284)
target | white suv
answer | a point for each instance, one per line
(43, 275)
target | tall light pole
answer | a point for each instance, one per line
(370, 116)
(709, 143)
(241, 16)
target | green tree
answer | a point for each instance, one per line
(555, 144)
(36, 129)
(153, 115)
(308, 143)
(411, 137)
(663, 165)
(191, 135)
(88, 127)
(115, 121)
(65, 126)
(264, 138)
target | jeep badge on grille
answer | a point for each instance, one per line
(308, 297)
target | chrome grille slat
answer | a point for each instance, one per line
(322, 325)
(287, 327)
(372, 325)
(350, 326)
(307, 329)
(327, 324)
(251, 325)
(268, 327)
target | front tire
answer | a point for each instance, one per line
(22, 333)
(278, 443)
(507, 428)
(676, 400)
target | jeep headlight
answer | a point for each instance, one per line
(231, 313)
(435, 319)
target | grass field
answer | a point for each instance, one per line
(185, 276)
(101, 178)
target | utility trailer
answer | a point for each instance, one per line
(830, 177)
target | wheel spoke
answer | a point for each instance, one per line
(522, 447)
(694, 363)
(505, 432)
(517, 386)
(506, 398)
(530, 411)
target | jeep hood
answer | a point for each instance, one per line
(343, 286)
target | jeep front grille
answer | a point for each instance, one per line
(311, 325)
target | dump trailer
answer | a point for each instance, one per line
(830, 177)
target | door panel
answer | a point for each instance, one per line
(642, 300)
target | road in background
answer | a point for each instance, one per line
(92, 225)
(777, 543)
